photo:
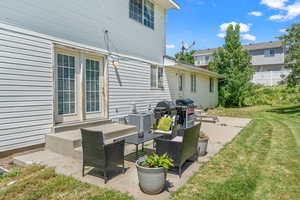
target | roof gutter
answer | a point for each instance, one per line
(182, 66)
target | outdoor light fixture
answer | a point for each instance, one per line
(116, 63)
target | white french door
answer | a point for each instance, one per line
(78, 87)
(93, 88)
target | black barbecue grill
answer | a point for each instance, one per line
(186, 111)
(165, 108)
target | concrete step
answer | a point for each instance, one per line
(65, 142)
(77, 154)
(77, 125)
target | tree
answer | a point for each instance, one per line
(291, 41)
(186, 57)
(234, 63)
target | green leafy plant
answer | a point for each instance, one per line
(156, 161)
(234, 63)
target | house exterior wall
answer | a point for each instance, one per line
(130, 84)
(86, 21)
(258, 57)
(202, 97)
(26, 90)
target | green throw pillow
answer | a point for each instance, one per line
(165, 124)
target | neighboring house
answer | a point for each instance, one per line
(65, 62)
(267, 59)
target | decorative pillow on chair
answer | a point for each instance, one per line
(165, 124)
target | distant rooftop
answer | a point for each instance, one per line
(254, 46)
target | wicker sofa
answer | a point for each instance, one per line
(180, 149)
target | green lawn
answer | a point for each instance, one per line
(263, 162)
(42, 183)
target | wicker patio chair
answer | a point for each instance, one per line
(180, 150)
(105, 157)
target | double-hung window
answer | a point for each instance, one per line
(157, 77)
(211, 85)
(193, 83)
(180, 82)
(142, 11)
(269, 52)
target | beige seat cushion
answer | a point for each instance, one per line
(162, 132)
(177, 139)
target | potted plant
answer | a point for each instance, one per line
(152, 172)
(202, 144)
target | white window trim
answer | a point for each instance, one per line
(142, 23)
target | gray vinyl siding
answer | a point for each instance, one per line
(129, 84)
(26, 90)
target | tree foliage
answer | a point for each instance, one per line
(234, 63)
(291, 40)
(186, 57)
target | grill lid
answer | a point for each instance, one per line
(184, 102)
(167, 105)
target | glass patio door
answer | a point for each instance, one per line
(66, 94)
(93, 88)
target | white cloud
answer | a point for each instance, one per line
(287, 12)
(244, 28)
(221, 35)
(282, 30)
(248, 37)
(279, 4)
(255, 13)
(170, 46)
(276, 17)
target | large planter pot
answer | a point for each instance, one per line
(202, 146)
(151, 180)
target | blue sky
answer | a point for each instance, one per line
(201, 20)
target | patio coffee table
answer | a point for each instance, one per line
(136, 140)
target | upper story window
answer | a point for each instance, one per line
(211, 85)
(193, 83)
(142, 11)
(269, 52)
(204, 60)
(157, 77)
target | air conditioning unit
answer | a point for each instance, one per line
(142, 121)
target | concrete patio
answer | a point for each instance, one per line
(219, 133)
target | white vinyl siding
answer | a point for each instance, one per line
(26, 90)
(130, 84)
(85, 22)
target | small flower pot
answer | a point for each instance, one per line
(151, 180)
(202, 146)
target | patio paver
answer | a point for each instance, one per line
(220, 134)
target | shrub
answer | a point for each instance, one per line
(266, 95)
